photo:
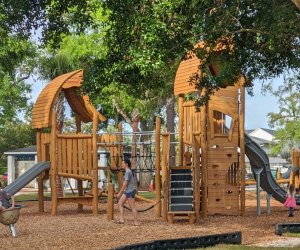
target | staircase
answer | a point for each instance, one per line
(181, 199)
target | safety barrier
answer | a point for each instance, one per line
(287, 227)
(184, 243)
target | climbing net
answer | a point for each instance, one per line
(139, 147)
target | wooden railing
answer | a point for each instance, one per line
(74, 156)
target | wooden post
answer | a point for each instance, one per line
(53, 164)
(110, 201)
(204, 162)
(157, 168)
(165, 172)
(196, 164)
(120, 173)
(79, 182)
(180, 129)
(40, 178)
(242, 149)
(95, 163)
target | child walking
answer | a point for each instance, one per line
(290, 201)
(127, 193)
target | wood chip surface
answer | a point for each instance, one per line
(73, 230)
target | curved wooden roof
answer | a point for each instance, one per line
(189, 67)
(69, 83)
(186, 69)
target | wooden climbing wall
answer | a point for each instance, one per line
(223, 171)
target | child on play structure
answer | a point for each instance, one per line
(290, 201)
(5, 200)
(127, 193)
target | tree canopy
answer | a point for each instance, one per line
(145, 37)
(287, 120)
(142, 42)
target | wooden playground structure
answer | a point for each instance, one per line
(208, 176)
(74, 155)
(294, 175)
(214, 138)
(208, 146)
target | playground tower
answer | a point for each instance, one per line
(215, 137)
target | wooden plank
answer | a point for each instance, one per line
(224, 164)
(69, 155)
(180, 129)
(53, 165)
(89, 158)
(76, 199)
(64, 149)
(94, 164)
(188, 103)
(74, 157)
(157, 164)
(85, 157)
(75, 136)
(221, 154)
(216, 174)
(204, 162)
(75, 176)
(80, 157)
(59, 155)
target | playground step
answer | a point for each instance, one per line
(181, 177)
(181, 184)
(181, 191)
(181, 207)
(181, 199)
(181, 171)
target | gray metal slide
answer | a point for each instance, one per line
(27, 177)
(259, 162)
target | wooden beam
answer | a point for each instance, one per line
(53, 164)
(165, 172)
(196, 175)
(157, 167)
(110, 201)
(180, 129)
(95, 163)
(204, 161)
(120, 156)
(242, 150)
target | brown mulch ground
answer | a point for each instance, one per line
(71, 230)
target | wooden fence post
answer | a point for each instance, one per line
(157, 168)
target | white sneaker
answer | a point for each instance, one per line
(13, 230)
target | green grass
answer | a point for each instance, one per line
(29, 197)
(148, 195)
(34, 196)
(295, 235)
(241, 247)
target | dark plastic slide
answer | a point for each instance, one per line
(259, 162)
(27, 177)
(287, 174)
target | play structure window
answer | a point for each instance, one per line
(233, 174)
(222, 122)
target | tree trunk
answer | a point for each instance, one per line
(171, 128)
(146, 163)
(135, 128)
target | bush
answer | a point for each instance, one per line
(3, 179)
(3, 170)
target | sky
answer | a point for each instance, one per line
(258, 106)
(256, 109)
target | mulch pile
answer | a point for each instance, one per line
(73, 230)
